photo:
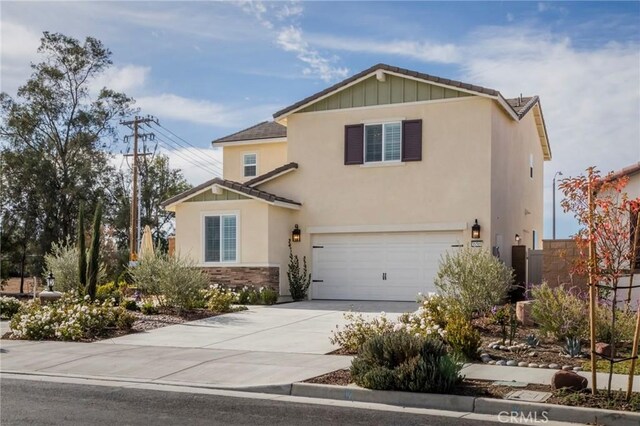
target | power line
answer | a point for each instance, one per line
(187, 149)
(186, 155)
(185, 141)
(188, 160)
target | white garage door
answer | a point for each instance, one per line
(380, 266)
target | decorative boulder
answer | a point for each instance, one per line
(523, 312)
(570, 380)
(603, 349)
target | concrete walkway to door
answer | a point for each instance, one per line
(301, 327)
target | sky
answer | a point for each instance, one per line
(208, 69)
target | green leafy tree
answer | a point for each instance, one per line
(93, 266)
(55, 134)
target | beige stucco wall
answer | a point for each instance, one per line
(270, 156)
(633, 187)
(253, 221)
(451, 184)
(516, 199)
(281, 222)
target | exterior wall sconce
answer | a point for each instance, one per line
(295, 234)
(475, 231)
(518, 239)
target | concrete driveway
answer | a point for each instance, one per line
(263, 346)
(302, 327)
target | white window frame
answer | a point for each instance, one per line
(244, 164)
(531, 166)
(364, 142)
(221, 214)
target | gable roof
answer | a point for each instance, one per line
(272, 174)
(401, 71)
(516, 108)
(235, 187)
(263, 130)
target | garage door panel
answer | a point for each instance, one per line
(351, 266)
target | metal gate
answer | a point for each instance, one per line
(535, 267)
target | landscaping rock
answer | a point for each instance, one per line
(532, 353)
(492, 363)
(523, 312)
(503, 348)
(484, 355)
(533, 365)
(568, 379)
(603, 349)
(501, 362)
(567, 367)
(512, 363)
(543, 366)
(577, 368)
(523, 364)
(554, 366)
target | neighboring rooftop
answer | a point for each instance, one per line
(264, 130)
(627, 171)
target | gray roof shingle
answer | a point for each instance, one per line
(264, 130)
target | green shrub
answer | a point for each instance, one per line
(299, 279)
(219, 299)
(149, 308)
(624, 328)
(268, 296)
(108, 291)
(130, 305)
(358, 330)
(69, 318)
(475, 278)
(173, 281)
(463, 338)
(63, 262)
(560, 312)
(9, 306)
(438, 307)
(248, 296)
(400, 361)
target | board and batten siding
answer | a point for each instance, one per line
(394, 90)
(210, 196)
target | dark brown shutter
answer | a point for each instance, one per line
(354, 144)
(412, 140)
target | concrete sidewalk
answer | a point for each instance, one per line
(541, 376)
(193, 366)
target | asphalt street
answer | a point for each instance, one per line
(24, 402)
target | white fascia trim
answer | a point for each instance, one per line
(506, 107)
(285, 205)
(542, 131)
(436, 226)
(249, 142)
(260, 182)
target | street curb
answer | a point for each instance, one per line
(532, 411)
(280, 389)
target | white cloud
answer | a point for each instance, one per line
(18, 48)
(257, 9)
(290, 39)
(127, 78)
(199, 111)
(424, 51)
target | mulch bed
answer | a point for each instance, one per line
(486, 389)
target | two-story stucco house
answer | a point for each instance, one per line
(381, 174)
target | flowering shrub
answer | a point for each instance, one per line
(463, 338)
(219, 299)
(9, 306)
(268, 296)
(419, 323)
(69, 318)
(359, 330)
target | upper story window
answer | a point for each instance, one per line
(382, 142)
(220, 238)
(250, 165)
(531, 166)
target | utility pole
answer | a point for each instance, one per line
(135, 217)
(554, 202)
